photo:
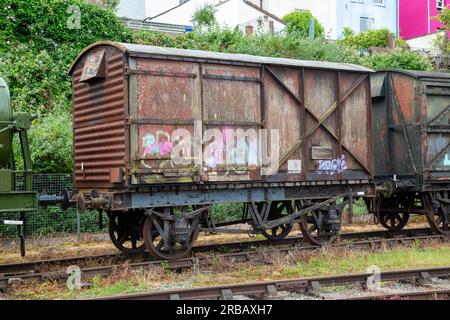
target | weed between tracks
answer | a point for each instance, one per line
(265, 266)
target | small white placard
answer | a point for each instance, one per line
(13, 222)
(295, 166)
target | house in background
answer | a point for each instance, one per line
(335, 15)
(141, 9)
(417, 17)
(230, 13)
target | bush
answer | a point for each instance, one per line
(233, 41)
(37, 79)
(205, 16)
(398, 59)
(51, 142)
(227, 212)
(365, 40)
(299, 23)
(36, 50)
(45, 22)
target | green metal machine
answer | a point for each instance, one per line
(12, 200)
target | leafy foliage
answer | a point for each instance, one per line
(444, 17)
(205, 16)
(299, 22)
(47, 23)
(400, 59)
(365, 40)
(51, 142)
(37, 78)
(36, 49)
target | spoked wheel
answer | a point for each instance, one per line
(313, 227)
(125, 231)
(394, 221)
(169, 239)
(436, 220)
(279, 210)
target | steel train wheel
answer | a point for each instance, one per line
(309, 226)
(394, 221)
(436, 222)
(173, 249)
(125, 231)
(278, 210)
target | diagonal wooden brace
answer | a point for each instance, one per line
(320, 121)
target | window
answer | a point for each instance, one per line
(440, 5)
(183, 1)
(365, 24)
(378, 2)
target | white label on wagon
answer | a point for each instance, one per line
(14, 222)
(295, 166)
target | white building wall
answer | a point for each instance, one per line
(155, 7)
(133, 9)
(349, 13)
(183, 15)
(426, 43)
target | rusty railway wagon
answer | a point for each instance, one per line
(161, 135)
(411, 134)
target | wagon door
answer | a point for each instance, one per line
(165, 108)
(436, 99)
(231, 110)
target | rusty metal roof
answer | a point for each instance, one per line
(143, 50)
(420, 74)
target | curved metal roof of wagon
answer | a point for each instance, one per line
(151, 51)
(420, 74)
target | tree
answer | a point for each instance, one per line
(443, 42)
(299, 22)
(444, 17)
(205, 16)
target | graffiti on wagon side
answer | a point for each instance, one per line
(333, 166)
(213, 148)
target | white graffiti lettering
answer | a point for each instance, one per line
(334, 166)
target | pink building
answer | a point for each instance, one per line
(416, 17)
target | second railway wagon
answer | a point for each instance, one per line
(411, 133)
(161, 134)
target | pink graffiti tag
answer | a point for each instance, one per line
(152, 147)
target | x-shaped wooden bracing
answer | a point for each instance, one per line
(320, 121)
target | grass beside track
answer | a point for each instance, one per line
(266, 266)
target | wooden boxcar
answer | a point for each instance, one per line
(411, 134)
(161, 134)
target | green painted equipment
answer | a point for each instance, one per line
(5, 118)
(12, 200)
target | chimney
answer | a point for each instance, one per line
(390, 42)
(249, 29)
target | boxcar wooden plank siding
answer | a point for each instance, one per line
(128, 100)
(411, 134)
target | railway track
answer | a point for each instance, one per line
(205, 260)
(312, 285)
(425, 294)
(38, 266)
